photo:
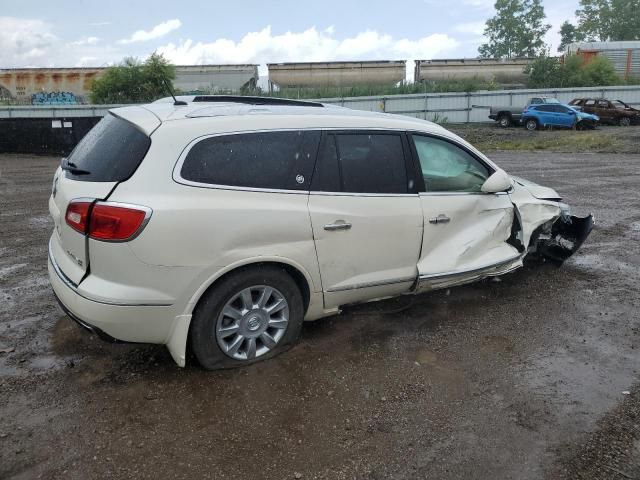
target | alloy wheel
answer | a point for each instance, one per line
(252, 322)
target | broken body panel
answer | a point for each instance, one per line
(528, 219)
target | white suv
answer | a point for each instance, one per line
(219, 224)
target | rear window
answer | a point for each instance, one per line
(270, 160)
(110, 152)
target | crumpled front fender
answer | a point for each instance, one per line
(564, 237)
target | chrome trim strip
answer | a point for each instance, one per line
(74, 287)
(490, 266)
(371, 284)
(434, 194)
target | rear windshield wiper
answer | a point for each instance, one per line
(73, 168)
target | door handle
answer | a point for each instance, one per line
(442, 218)
(338, 225)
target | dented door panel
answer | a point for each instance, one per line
(473, 242)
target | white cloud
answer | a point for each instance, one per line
(85, 41)
(472, 28)
(158, 31)
(24, 41)
(310, 45)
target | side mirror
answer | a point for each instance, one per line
(500, 181)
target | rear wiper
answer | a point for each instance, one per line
(73, 168)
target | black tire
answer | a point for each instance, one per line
(504, 120)
(624, 121)
(204, 344)
(531, 124)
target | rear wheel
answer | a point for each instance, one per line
(531, 124)
(250, 316)
(504, 121)
(624, 121)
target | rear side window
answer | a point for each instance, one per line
(110, 152)
(371, 163)
(271, 160)
(545, 108)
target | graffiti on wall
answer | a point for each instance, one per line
(54, 98)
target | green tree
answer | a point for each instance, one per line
(516, 30)
(134, 82)
(549, 72)
(569, 33)
(609, 20)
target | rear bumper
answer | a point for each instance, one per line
(127, 323)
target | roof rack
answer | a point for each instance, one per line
(254, 100)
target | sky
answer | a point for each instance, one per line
(80, 33)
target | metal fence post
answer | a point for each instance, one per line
(468, 107)
(426, 105)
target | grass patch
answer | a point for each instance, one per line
(554, 141)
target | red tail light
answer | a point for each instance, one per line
(77, 215)
(107, 221)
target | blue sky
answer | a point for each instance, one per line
(92, 33)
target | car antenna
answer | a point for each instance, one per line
(170, 90)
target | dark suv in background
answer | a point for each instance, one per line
(614, 112)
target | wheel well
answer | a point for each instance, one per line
(293, 272)
(504, 113)
(296, 274)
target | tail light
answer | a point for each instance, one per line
(106, 221)
(77, 215)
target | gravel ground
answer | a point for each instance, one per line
(521, 378)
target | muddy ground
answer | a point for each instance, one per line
(524, 378)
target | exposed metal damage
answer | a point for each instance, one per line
(560, 239)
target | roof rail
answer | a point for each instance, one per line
(255, 100)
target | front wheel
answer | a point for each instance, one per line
(531, 125)
(251, 315)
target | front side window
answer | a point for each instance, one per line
(447, 167)
(590, 103)
(270, 160)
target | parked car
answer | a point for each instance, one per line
(510, 116)
(558, 115)
(613, 112)
(220, 224)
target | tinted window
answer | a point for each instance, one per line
(275, 160)
(603, 103)
(545, 108)
(447, 167)
(590, 103)
(561, 109)
(371, 163)
(111, 151)
(536, 101)
(326, 177)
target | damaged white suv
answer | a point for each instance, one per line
(218, 224)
